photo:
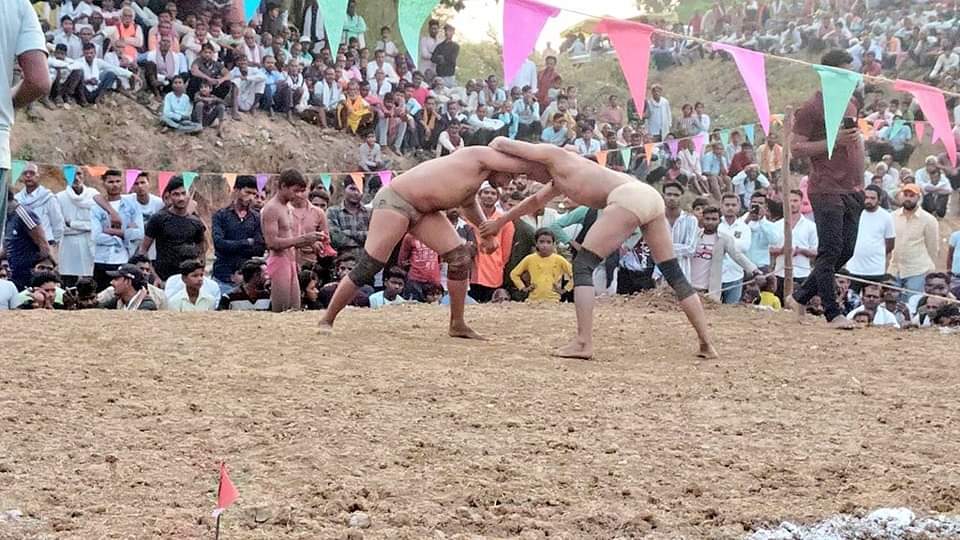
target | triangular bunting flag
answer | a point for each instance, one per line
(69, 174)
(163, 178)
(357, 179)
(226, 492)
(673, 145)
(837, 86)
(410, 17)
(625, 154)
(96, 171)
(262, 180)
(231, 179)
(725, 136)
(327, 181)
(602, 158)
(250, 9)
(895, 127)
(188, 178)
(523, 21)
(334, 18)
(131, 177)
(920, 128)
(699, 140)
(934, 109)
(16, 169)
(754, 73)
(748, 132)
(632, 43)
(385, 178)
(648, 151)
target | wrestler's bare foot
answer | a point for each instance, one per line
(461, 330)
(842, 323)
(797, 307)
(707, 352)
(326, 327)
(575, 349)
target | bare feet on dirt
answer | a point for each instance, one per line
(707, 352)
(461, 330)
(842, 323)
(575, 349)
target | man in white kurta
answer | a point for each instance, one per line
(77, 247)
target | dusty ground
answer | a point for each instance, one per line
(117, 433)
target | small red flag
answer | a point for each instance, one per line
(226, 492)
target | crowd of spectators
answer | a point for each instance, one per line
(733, 182)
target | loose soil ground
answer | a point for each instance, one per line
(113, 424)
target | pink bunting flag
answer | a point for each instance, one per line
(163, 178)
(632, 43)
(602, 158)
(385, 178)
(920, 128)
(934, 110)
(132, 175)
(673, 145)
(522, 22)
(699, 140)
(262, 180)
(754, 72)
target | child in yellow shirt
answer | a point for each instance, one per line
(768, 296)
(545, 269)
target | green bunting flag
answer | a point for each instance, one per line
(895, 128)
(748, 133)
(326, 180)
(837, 86)
(69, 174)
(725, 137)
(625, 155)
(188, 178)
(410, 17)
(334, 19)
(16, 170)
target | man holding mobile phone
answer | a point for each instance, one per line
(835, 190)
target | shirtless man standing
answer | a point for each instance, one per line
(627, 204)
(415, 202)
(277, 224)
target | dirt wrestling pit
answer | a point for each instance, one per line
(113, 424)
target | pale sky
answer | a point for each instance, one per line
(478, 15)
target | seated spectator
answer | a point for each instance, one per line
(748, 181)
(546, 270)
(872, 297)
(161, 66)
(91, 77)
(276, 96)
(392, 124)
(191, 297)
(370, 157)
(208, 109)
(344, 265)
(354, 113)
(394, 280)
(716, 168)
(386, 45)
(556, 132)
(327, 96)
(42, 293)
(527, 111)
(129, 290)
(249, 83)
(251, 294)
(612, 113)
(741, 159)
(587, 145)
(207, 68)
(936, 192)
(177, 110)
(309, 291)
(449, 140)
(484, 129)
(422, 265)
(380, 63)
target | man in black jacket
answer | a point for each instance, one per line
(445, 57)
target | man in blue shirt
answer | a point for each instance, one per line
(23, 243)
(556, 133)
(177, 110)
(237, 236)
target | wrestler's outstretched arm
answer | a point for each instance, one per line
(500, 162)
(471, 212)
(528, 206)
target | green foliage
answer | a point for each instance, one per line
(479, 60)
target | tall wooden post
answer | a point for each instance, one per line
(785, 186)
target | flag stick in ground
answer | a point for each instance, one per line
(226, 494)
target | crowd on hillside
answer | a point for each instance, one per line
(81, 246)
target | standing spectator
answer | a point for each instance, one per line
(306, 219)
(422, 265)
(177, 110)
(488, 267)
(739, 231)
(387, 45)
(369, 155)
(771, 158)
(192, 297)
(805, 243)
(546, 80)
(77, 249)
(428, 44)
(354, 26)
(23, 243)
(115, 240)
(763, 233)
(445, 57)
(180, 235)
(713, 248)
(526, 76)
(349, 222)
(918, 241)
(43, 203)
(657, 114)
(546, 271)
(237, 236)
(149, 204)
(684, 227)
(835, 192)
(875, 240)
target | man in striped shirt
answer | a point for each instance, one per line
(24, 241)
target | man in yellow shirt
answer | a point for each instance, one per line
(545, 268)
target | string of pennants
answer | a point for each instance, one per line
(523, 20)
(672, 146)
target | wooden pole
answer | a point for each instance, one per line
(785, 186)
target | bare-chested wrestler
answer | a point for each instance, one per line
(627, 204)
(277, 224)
(415, 202)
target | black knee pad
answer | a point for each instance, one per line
(459, 260)
(584, 264)
(365, 270)
(674, 275)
